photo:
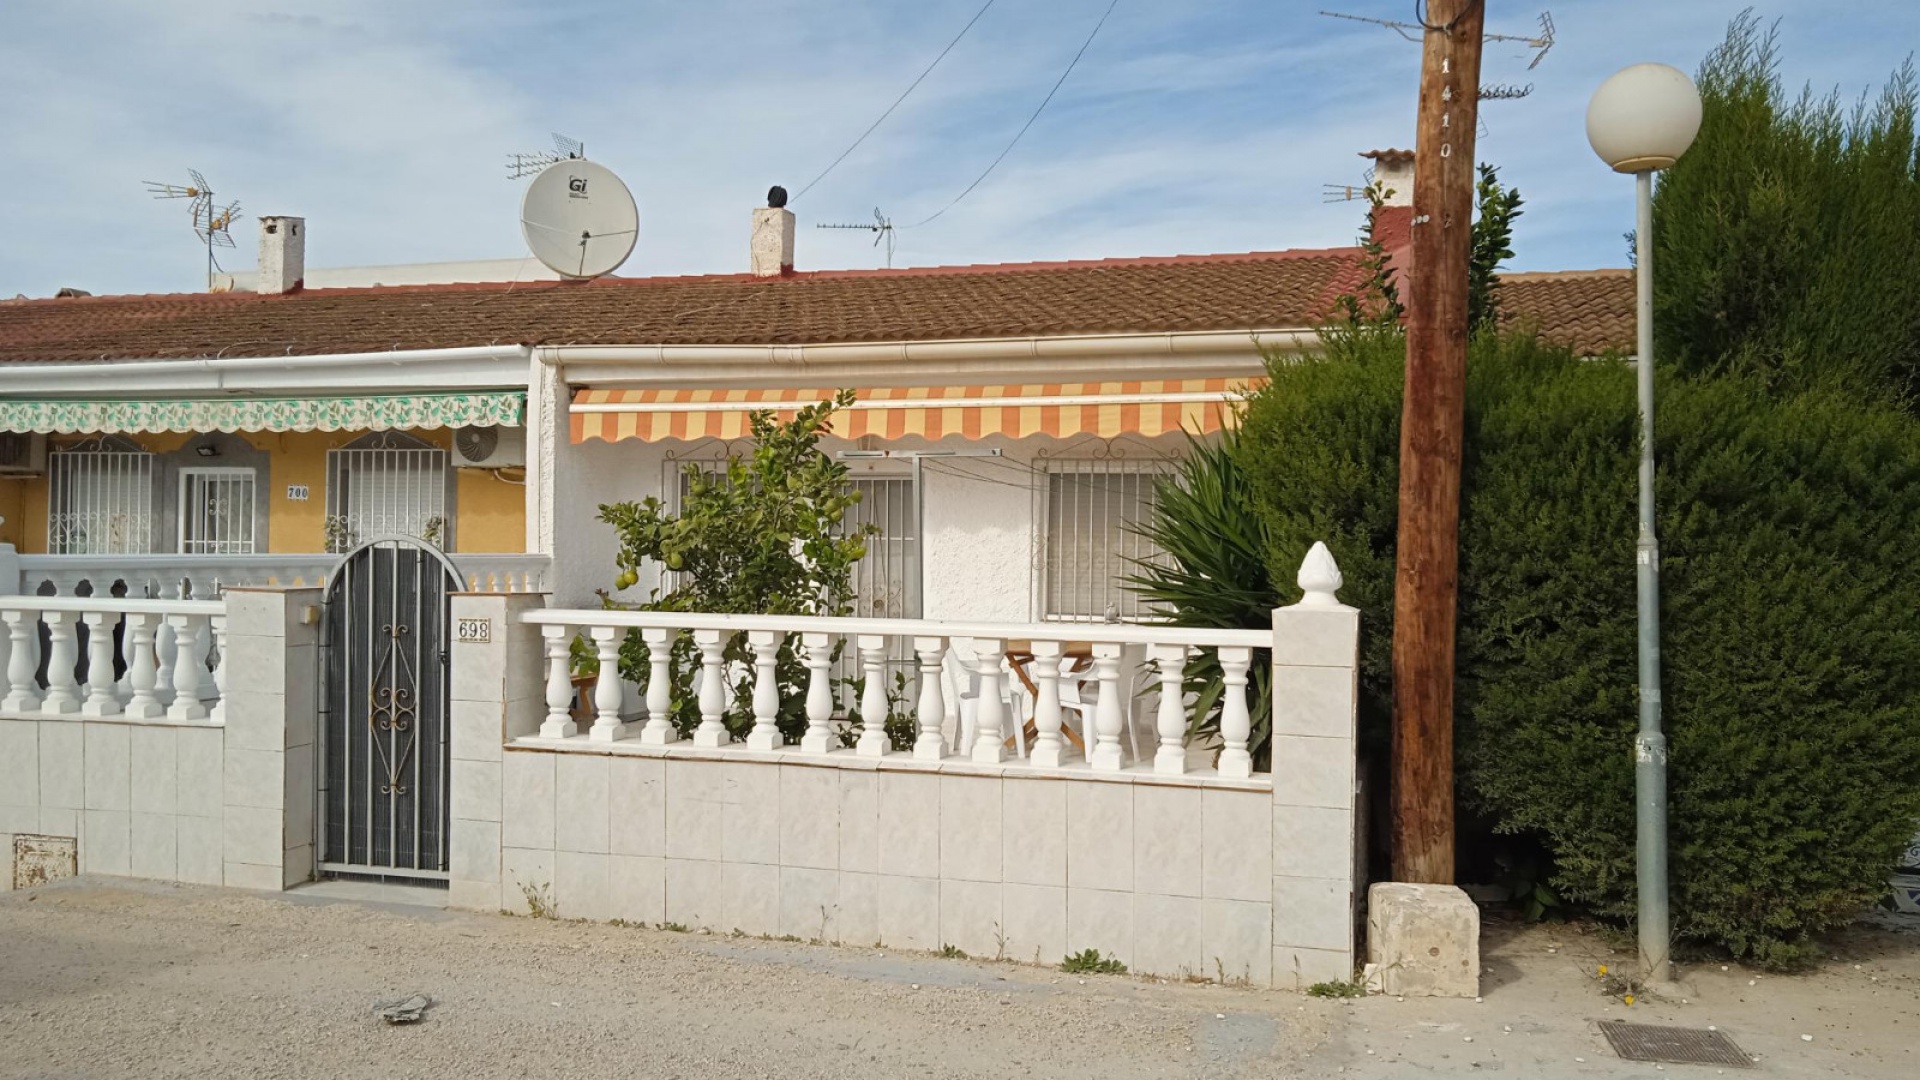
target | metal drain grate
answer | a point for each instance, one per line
(1679, 1046)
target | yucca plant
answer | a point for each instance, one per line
(1212, 574)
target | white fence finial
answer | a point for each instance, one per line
(1319, 578)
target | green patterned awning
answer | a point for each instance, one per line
(396, 412)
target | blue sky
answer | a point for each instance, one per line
(1190, 126)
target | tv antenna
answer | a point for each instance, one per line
(882, 228)
(1539, 42)
(212, 224)
(564, 149)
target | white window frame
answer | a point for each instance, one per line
(231, 474)
(118, 478)
(1112, 551)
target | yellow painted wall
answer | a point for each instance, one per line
(489, 512)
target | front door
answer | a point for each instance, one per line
(384, 745)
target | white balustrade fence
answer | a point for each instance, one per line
(138, 659)
(202, 577)
(1054, 691)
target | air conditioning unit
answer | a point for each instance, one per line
(22, 454)
(489, 447)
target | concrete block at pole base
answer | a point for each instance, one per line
(1424, 940)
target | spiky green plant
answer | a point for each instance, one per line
(1213, 575)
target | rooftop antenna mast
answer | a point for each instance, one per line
(882, 228)
(564, 149)
(212, 224)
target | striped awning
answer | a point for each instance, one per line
(506, 408)
(1060, 410)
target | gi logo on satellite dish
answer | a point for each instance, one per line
(577, 187)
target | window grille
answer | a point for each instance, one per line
(217, 511)
(1090, 545)
(387, 485)
(886, 583)
(101, 500)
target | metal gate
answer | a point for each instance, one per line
(384, 746)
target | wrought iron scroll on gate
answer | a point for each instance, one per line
(384, 748)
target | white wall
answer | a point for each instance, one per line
(980, 551)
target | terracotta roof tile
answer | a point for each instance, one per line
(1148, 295)
(1590, 311)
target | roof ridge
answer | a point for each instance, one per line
(1539, 275)
(954, 270)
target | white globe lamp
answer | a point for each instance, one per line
(1639, 121)
(1643, 118)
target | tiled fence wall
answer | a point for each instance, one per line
(1247, 880)
(225, 799)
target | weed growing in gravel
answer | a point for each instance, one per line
(1352, 988)
(539, 901)
(676, 927)
(953, 952)
(1090, 962)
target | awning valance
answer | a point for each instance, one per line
(407, 411)
(1059, 410)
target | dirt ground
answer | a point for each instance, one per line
(121, 979)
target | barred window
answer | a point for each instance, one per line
(101, 499)
(1090, 544)
(387, 484)
(217, 511)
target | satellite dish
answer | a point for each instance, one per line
(579, 219)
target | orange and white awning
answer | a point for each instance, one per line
(1059, 410)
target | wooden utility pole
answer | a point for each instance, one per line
(1431, 422)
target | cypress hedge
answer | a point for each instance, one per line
(1790, 529)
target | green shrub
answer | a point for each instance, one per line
(1090, 962)
(1790, 581)
(1787, 240)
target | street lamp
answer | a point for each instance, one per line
(1640, 120)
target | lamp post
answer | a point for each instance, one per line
(1641, 120)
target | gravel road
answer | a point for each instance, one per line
(116, 979)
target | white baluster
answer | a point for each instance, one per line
(559, 722)
(1107, 718)
(23, 660)
(819, 658)
(712, 731)
(659, 730)
(931, 745)
(989, 710)
(1048, 748)
(873, 697)
(63, 691)
(165, 650)
(209, 684)
(1171, 723)
(609, 692)
(141, 670)
(218, 714)
(186, 674)
(766, 690)
(1236, 728)
(101, 700)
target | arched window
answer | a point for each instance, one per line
(388, 484)
(100, 499)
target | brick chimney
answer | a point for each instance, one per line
(1393, 218)
(772, 245)
(283, 255)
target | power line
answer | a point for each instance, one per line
(1023, 129)
(896, 101)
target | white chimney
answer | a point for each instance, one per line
(283, 255)
(1392, 176)
(772, 246)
